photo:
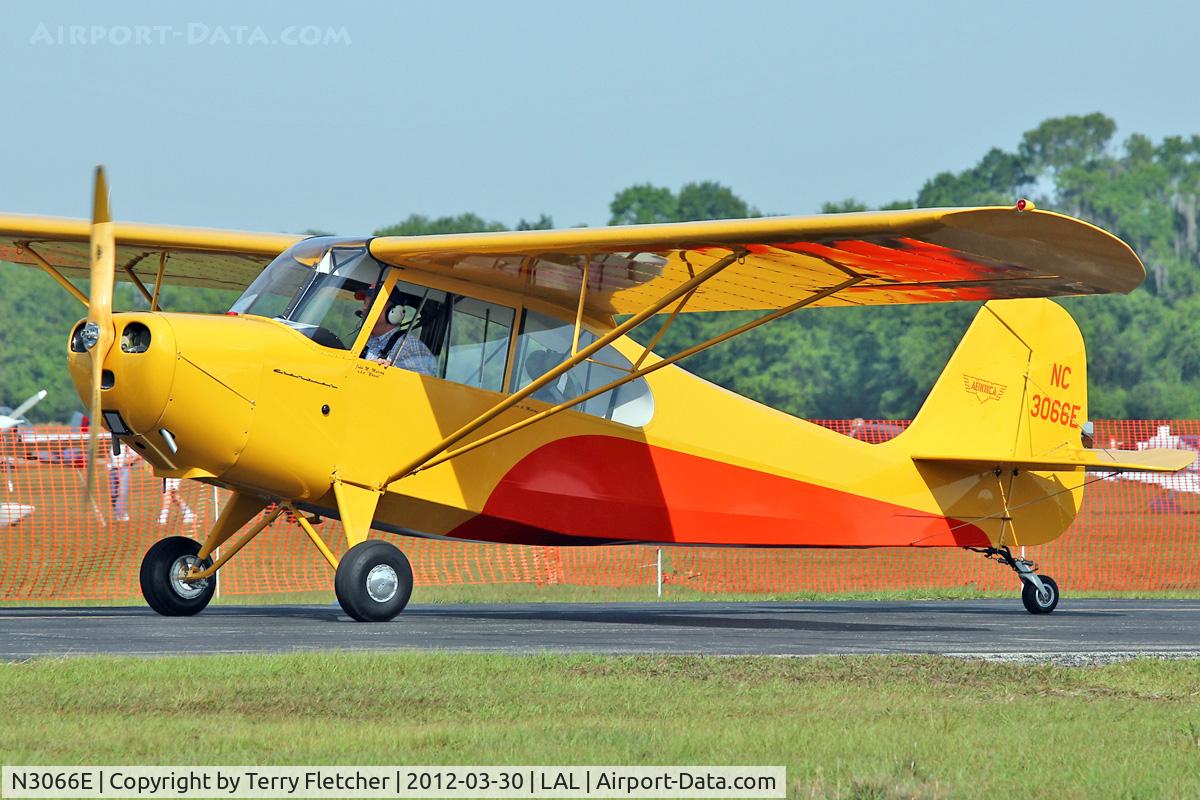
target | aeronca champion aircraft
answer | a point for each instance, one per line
(484, 387)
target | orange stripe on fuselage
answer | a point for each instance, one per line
(601, 487)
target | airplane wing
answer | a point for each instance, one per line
(1157, 460)
(195, 256)
(917, 256)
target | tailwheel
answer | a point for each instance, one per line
(1040, 601)
(1039, 593)
(373, 581)
(164, 568)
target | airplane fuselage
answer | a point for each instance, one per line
(250, 404)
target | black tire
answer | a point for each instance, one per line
(374, 581)
(161, 587)
(1035, 603)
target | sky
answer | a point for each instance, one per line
(349, 116)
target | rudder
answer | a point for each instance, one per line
(1016, 385)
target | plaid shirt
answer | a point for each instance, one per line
(406, 352)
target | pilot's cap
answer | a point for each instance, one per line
(540, 362)
(1088, 428)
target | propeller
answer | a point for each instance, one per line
(98, 332)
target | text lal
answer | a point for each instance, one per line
(559, 780)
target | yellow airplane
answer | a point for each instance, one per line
(483, 386)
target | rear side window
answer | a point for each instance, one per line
(545, 342)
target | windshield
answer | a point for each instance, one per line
(316, 286)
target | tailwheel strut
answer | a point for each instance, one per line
(1039, 593)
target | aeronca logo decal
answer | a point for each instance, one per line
(984, 390)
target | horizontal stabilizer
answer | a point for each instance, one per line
(1156, 460)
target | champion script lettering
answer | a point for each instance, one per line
(301, 377)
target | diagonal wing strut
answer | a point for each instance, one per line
(441, 453)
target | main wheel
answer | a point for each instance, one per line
(163, 568)
(1040, 602)
(373, 581)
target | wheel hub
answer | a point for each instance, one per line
(382, 583)
(188, 590)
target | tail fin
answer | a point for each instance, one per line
(1015, 390)
(1016, 387)
(1000, 433)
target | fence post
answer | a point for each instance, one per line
(660, 573)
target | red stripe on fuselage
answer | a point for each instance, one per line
(601, 487)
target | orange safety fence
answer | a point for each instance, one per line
(1134, 532)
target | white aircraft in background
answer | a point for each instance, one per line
(12, 513)
(11, 419)
(1187, 480)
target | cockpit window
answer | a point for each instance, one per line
(316, 286)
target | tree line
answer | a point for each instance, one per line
(1143, 350)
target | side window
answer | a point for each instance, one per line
(545, 342)
(478, 350)
(445, 335)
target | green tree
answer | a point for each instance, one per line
(1063, 142)
(846, 206)
(998, 179)
(711, 200)
(39, 316)
(420, 225)
(542, 223)
(643, 204)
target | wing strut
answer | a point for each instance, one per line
(141, 287)
(162, 265)
(583, 287)
(633, 375)
(49, 269)
(576, 359)
(662, 331)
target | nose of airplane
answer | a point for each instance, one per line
(138, 373)
(179, 387)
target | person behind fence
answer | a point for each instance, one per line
(170, 495)
(394, 340)
(120, 473)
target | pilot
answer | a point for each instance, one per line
(392, 340)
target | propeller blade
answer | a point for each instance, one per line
(100, 294)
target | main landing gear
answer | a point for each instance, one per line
(1039, 593)
(373, 580)
(164, 569)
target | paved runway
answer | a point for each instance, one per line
(1087, 629)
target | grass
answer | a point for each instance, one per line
(874, 727)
